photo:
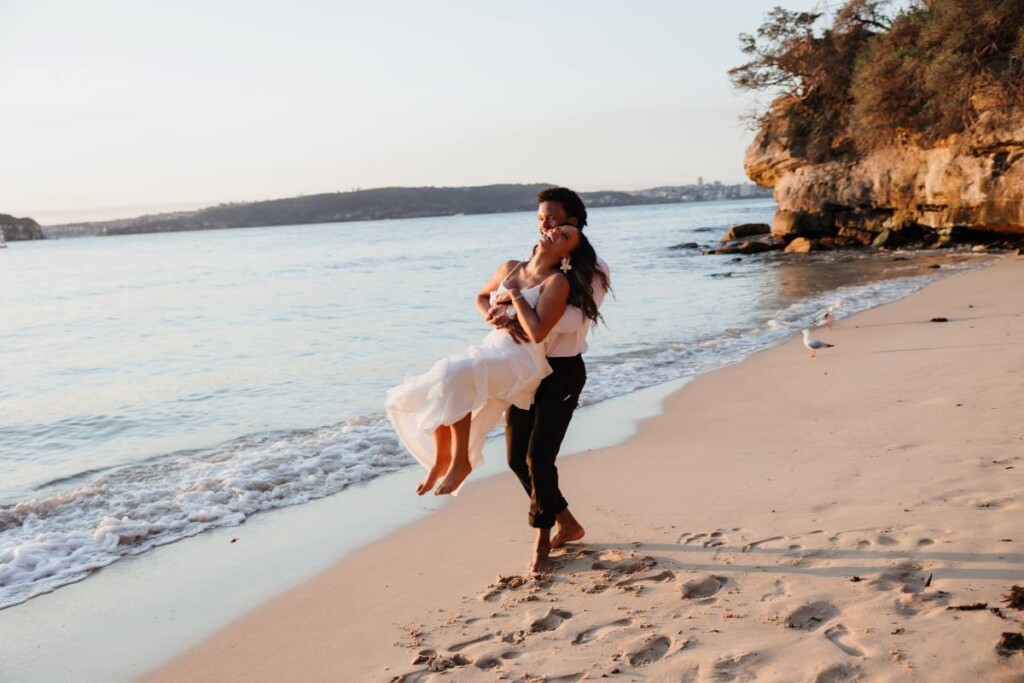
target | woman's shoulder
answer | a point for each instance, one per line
(556, 281)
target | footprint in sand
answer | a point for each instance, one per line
(925, 542)
(647, 651)
(434, 664)
(836, 634)
(458, 647)
(737, 668)
(839, 673)
(564, 678)
(711, 540)
(912, 604)
(609, 556)
(625, 565)
(779, 590)
(488, 662)
(751, 546)
(547, 621)
(703, 587)
(600, 631)
(660, 577)
(907, 576)
(810, 617)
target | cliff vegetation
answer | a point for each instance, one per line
(903, 118)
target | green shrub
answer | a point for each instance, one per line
(877, 74)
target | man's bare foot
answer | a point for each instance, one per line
(456, 475)
(567, 530)
(541, 563)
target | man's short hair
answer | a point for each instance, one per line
(569, 200)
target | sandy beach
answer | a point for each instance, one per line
(784, 519)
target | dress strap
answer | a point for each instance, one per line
(505, 279)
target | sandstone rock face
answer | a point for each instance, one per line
(800, 245)
(17, 229)
(974, 180)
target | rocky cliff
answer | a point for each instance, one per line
(968, 187)
(15, 229)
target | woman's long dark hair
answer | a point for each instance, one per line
(582, 277)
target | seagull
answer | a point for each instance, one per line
(814, 344)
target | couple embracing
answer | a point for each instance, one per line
(529, 367)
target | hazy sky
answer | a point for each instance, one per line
(117, 108)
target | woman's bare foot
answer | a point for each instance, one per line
(456, 475)
(567, 530)
(442, 459)
(439, 468)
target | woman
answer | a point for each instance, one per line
(444, 416)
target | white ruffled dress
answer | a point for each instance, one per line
(483, 380)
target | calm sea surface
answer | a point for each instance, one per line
(154, 386)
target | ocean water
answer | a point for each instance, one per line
(155, 386)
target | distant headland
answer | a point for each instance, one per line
(19, 229)
(391, 203)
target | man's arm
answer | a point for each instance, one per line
(496, 315)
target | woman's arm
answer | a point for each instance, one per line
(554, 297)
(483, 297)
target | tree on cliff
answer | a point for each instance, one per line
(921, 70)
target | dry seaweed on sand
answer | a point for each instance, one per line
(1010, 643)
(1015, 598)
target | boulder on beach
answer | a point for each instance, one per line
(738, 232)
(754, 245)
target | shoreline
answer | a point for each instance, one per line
(208, 581)
(696, 500)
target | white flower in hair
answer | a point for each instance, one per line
(566, 265)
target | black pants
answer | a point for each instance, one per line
(533, 437)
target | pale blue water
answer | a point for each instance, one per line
(153, 386)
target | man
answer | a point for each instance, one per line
(533, 437)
